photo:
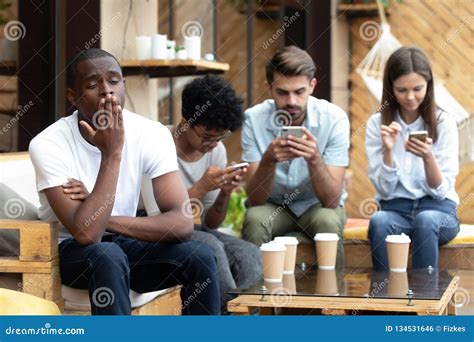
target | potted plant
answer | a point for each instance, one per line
(236, 212)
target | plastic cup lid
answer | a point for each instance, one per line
(286, 240)
(273, 247)
(326, 237)
(402, 238)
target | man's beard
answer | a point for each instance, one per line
(301, 112)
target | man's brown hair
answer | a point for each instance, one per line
(290, 61)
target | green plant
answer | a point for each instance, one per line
(236, 211)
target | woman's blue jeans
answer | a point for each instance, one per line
(427, 221)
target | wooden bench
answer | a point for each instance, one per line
(457, 254)
(38, 262)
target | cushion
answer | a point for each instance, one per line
(13, 206)
(78, 300)
(19, 303)
(357, 229)
(18, 173)
(465, 236)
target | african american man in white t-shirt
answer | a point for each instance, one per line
(103, 247)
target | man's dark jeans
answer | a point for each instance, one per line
(111, 268)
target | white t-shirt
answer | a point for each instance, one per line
(192, 172)
(60, 152)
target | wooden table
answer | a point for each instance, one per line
(335, 305)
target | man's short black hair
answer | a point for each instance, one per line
(84, 55)
(211, 102)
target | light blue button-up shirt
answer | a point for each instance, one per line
(292, 186)
(407, 179)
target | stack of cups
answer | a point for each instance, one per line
(398, 247)
(326, 250)
(291, 244)
(143, 44)
(159, 49)
(192, 44)
(273, 261)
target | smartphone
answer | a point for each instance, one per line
(240, 165)
(420, 135)
(296, 131)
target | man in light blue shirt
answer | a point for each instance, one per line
(295, 183)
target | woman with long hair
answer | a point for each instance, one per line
(412, 148)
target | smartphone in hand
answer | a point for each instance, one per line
(420, 135)
(240, 165)
(296, 131)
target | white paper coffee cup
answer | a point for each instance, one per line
(273, 261)
(398, 247)
(291, 244)
(326, 250)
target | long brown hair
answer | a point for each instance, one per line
(404, 61)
